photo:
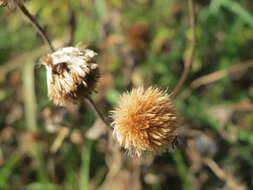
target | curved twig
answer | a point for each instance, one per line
(189, 60)
(35, 24)
(215, 76)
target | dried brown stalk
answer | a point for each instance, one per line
(189, 60)
(230, 181)
(215, 76)
(35, 24)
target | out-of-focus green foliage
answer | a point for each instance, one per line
(45, 147)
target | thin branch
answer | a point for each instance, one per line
(215, 76)
(229, 180)
(72, 23)
(215, 168)
(189, 60)
(35, 24)
(96, 110)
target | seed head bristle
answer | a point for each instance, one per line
(145, 121)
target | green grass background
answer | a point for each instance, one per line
(138, 42)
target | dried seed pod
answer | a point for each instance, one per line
(10, 3)
(3, 3)
(145, 121)
(72, 74)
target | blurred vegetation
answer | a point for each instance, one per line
(45, 147)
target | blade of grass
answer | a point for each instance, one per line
(71, 180)
(100, 175)
(31, 116)
(40, 162)
(43, 186)
(6, 170)
(234, 7)
(183, 171)
(101, 8)
(85, 167)
(29, 96)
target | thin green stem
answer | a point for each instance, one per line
(96, 110)
(30, 97)
(85, 167)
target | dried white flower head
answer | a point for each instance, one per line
(3, 3)
(71, 74)
(145, 121)
(10, 3)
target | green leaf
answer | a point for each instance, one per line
(183, 171)
(6, 170)
(85, 168)
(234, 7)
(43, 186)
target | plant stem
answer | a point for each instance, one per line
(30, 97)
(35, 24)
(85, 165)
(188, 62)
(95, 109)
(30, 105)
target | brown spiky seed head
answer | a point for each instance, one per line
(145, 121)
(71, 74)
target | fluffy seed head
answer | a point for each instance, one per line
(145, 121)
(71, 74)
